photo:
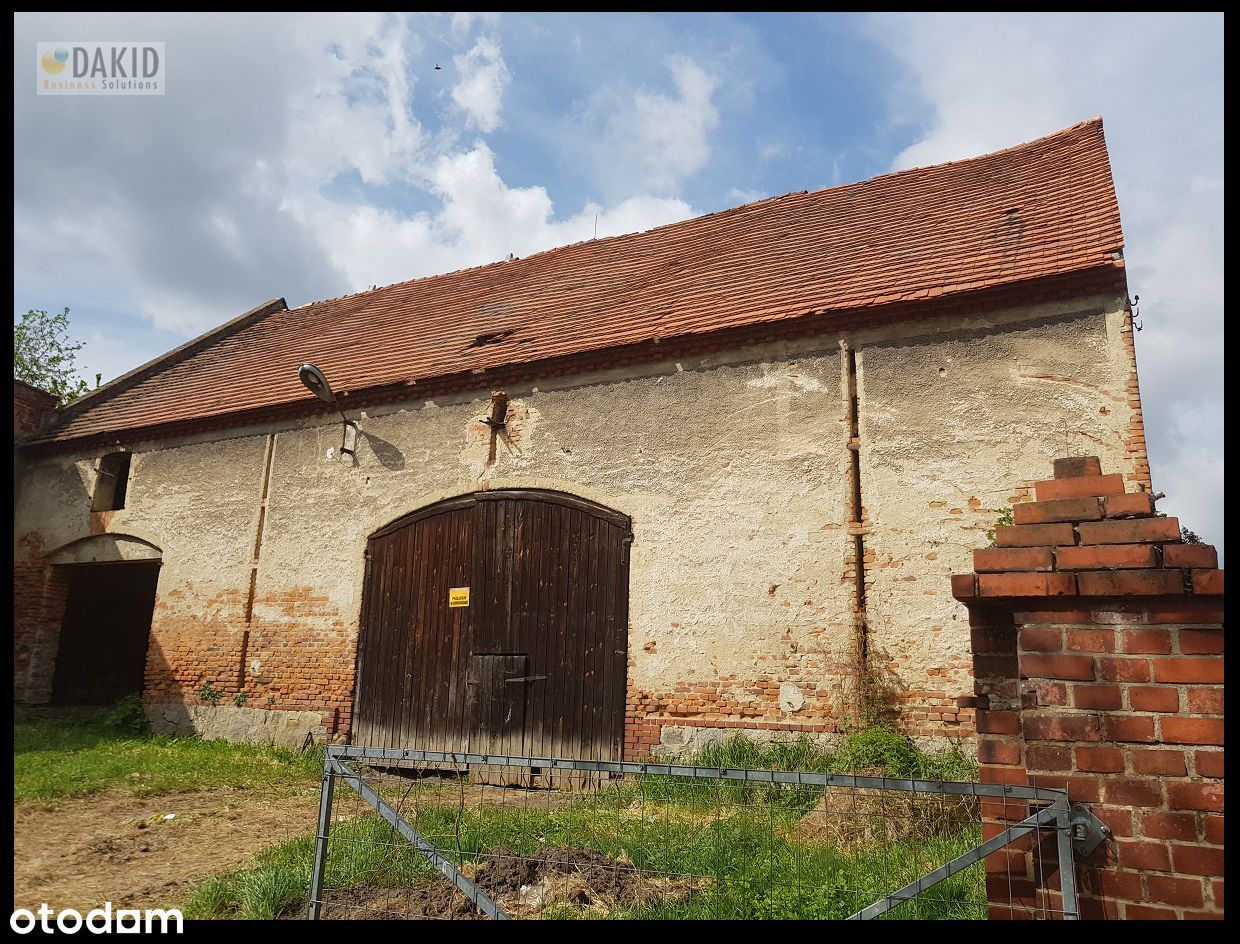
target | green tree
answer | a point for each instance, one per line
(45, 356)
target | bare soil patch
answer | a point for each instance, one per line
(116, 847)
(523, 888)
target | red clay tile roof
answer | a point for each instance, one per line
(1046, 208)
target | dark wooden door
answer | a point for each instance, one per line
(536, 662)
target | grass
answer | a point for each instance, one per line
(738, 836)
(54, 758)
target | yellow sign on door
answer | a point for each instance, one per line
(458, 596)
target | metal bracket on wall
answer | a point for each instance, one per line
(1088, 832)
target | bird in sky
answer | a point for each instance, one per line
(438, 67)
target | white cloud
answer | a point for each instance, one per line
(272, 180)
(648, 139)
(995, 81)
(480, 219)
(480, 92)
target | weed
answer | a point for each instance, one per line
(128, 716)
(1005, 518)
(210, 694)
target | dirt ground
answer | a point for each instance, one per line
(120, 848)
(582, 879)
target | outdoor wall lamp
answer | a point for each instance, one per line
(317, 384)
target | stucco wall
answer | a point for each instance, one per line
(734, 470)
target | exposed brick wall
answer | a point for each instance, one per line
(1136, 425)
(1098, 664)
(310, 670)
(40, 592)
(31, 408)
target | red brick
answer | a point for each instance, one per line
(1216, 889)
(1205, 701)
(1082, 486)
(1091, 640)
(1034, 535)
(1173, 890)
(1132, 792)
(1097, 697)
(997, 774)
(1132, 504)
(1159, 763)
(1071, 467)
(1061, 727)
(1049, 694)
(1040, 639)
(1124, 670)
(1213, 829)
(1048, 512)
(1132, 531)
(1025, 585)
(1100, 760)
(998, 722)
(1204, 669)
(1081, 787)
(1154, 641)
(1147, 913)
(1197, 860)
(1123, 583)
(1131, 729)
(991, 751)
(964, 586)
(1119, 821)
(1195, 796)
(1134, 854)
(1207, 581)
(1201, 642)
(1102, 556)
(1190, 555)
(1118, 883)
(990, 641)
(1000, 559)
(1048, 757)
(1192, 730)
(1209, 763)
(1158, 825)
(1208, 915)
(1153, 699)
(1076, 668)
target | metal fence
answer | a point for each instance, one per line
(427, 835)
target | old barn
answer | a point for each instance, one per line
(612, 498)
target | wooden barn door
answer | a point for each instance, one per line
(535, 663)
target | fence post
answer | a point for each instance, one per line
(320, 840)
(1097, 639)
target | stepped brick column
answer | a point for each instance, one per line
(1098, 667)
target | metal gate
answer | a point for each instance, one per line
(674, 841)
(497, 622)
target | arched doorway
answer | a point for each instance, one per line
(497, 622)
(102, 645)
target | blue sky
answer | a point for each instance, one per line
(311, 156)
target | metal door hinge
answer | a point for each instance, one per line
(1088, 832)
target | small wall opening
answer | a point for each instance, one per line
(101, 655)
(111, 482)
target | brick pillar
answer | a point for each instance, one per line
(1098, 668)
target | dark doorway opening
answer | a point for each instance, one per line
(103, 641)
